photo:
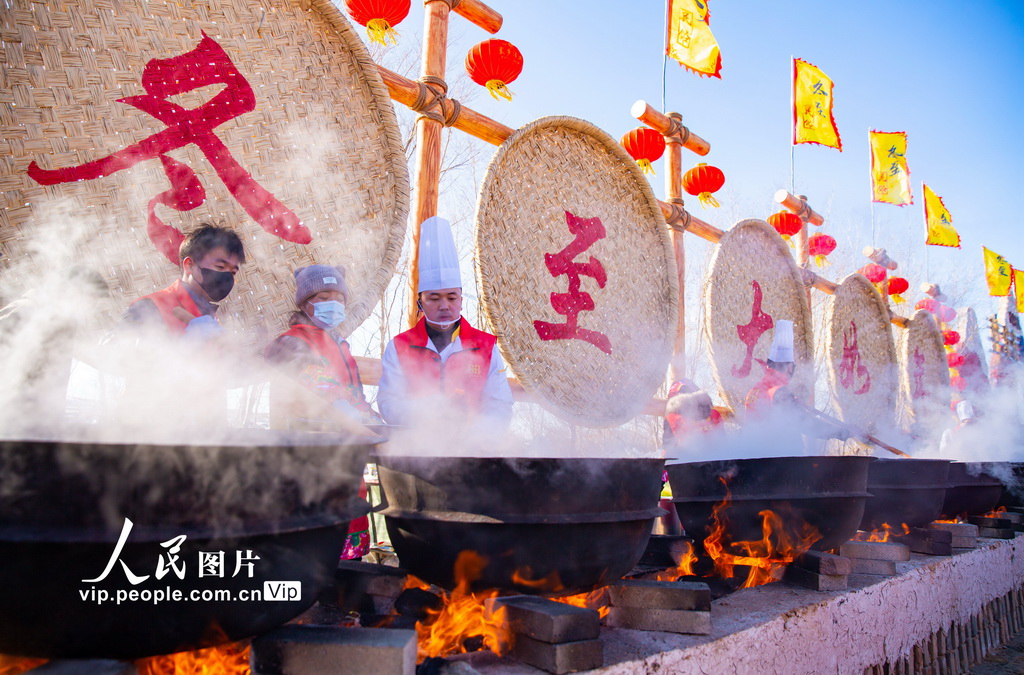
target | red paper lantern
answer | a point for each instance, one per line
(785, 223)
(954, 359)
(929, 305)
(950, 337)
(379, 16)
(645, 145)
(820, 245)
(701, 181)
(875, 273)
(493, 64)
(898, 285)
(947, 314)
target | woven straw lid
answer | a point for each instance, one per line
(924, 381)
(320, 137)
(750, 253)
(549, 167)
(862, 356)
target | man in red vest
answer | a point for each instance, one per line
(443, 365)
(210, 257)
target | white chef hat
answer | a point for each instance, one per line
(782, 342)
(438, 259)
(964, 411)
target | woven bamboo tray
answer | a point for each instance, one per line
(924, 374)
(750, 253)
(861, 356)
(293, 105)
(550, 175)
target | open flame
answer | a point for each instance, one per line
(463, 616)
(228, 659)
(780, 544)
(998, 513)
(886, 532)
(16, 665)
(552, 583)
(685, 568)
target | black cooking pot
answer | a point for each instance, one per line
(269, 508)
(1011, 475)
(826, 492)
(907, 491)
(545, 526)
(971, 491)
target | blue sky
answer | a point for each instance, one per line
(946, 73)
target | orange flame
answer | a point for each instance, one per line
(596, 600)
(767, 558)
(229, 659)
(998, 513)
(884, 534)
(16, 665)
(685, 568)
(463, 615)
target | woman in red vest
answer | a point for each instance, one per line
(313, 353)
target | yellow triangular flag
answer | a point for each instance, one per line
(690, 40)
(997, 273)
(938, 221)
(812, 107)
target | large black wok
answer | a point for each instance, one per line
(826, 492)
(907, 491)
(545, 526)
(280, 501)
(971, 491)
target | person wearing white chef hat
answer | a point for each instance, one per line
(443, 357)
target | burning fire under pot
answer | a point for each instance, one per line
(543, 526)
(762, 514)
(85, 523)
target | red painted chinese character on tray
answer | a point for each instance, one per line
(851, 369)
(587, 231)
(917, 375)
(206, 65)
(749, 334)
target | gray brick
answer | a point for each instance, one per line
(660, 594)
(547, 620)
(565, 657)
(875, 550)
(297, 650)
(870, 566)
(814, 581)
(667, 620)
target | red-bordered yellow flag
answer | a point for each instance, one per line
(938, 221)
(690, 40)
(890, 177)
(998, 273)
(813, 121)
(1018, 287)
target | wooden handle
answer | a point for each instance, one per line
(859, 434)
(662, 123)
(796, 205)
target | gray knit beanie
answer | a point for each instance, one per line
(315, 278)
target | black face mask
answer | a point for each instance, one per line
(217, 284)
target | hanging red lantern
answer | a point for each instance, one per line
(875, 273)
(785, 223)
(820, 245)
(898, 285)
(929, 305)
(701, 181)
(947, 314)
(645, 145)
(379, 16)
(950, 337)
(954, 359)
(493, 64)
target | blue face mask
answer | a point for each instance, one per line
(330, 313)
